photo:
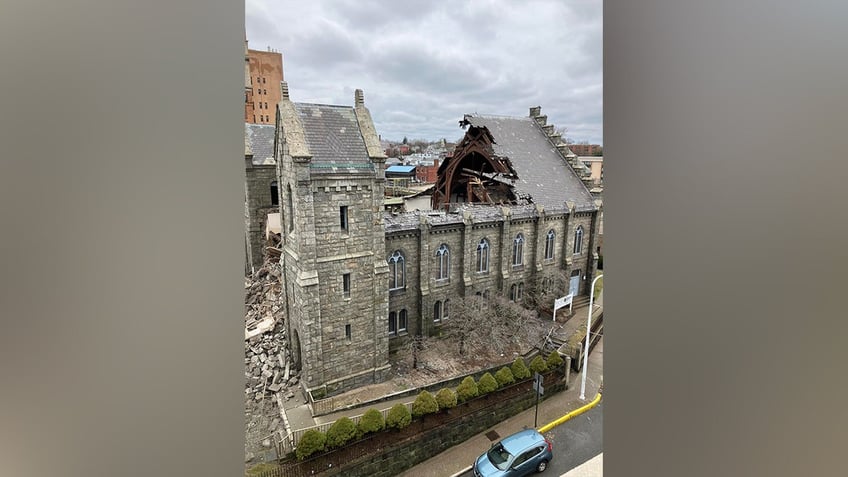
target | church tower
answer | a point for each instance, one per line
(331, 174)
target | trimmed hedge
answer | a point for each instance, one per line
(312, 441)
(398, 417)
(504, 376)
(487, 384)
(538, 365)
(371, 421)
(467, 389)
(519, 369)
(554, 360)
(341, 432)
(446, 398)
(425, 403)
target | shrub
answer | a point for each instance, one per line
(398, 417)
(312, 441)
(466, 390)
(519, 369)
(446, 398)
(554, 360)
(425, 403)
(538, 365)
(487, 384)
(371, 421)
(504, 376)
(341, 432)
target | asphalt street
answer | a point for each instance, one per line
(575, 441)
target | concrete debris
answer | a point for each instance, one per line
(269, 375)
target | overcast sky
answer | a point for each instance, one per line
(423, 64)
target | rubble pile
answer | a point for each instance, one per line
(267, 367)
(266, 360)
(263, 300)
(269, 374)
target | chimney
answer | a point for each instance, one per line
(535, 111)
(358, 98)
(284, 91)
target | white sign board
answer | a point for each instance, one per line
(564, 301)
(561, 302)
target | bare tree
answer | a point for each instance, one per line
(479, 324)
(563, 131)
(547, 287)
(415, 346)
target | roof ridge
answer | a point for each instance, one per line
(504, 116)
(322, 104)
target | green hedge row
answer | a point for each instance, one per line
(344, 430)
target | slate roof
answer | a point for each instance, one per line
(542, 171)
(259, 138)
(333, 137)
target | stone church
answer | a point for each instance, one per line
(509, 213)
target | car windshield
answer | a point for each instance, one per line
(499, 457)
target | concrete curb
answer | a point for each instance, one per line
(547, 427)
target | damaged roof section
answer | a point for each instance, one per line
(510, 161)
(475, 173)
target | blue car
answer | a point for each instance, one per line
(522, 453)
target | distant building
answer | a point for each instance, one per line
(586, 149)
(265, 74)
(428, 173)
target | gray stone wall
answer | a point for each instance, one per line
(409, 297)
(420, 243)
(258, 180)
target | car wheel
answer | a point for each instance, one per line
(542, 466)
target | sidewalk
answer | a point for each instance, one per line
(460, 457)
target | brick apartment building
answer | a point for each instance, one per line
(586, 149)
(265, 73)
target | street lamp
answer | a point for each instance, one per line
(588, 330)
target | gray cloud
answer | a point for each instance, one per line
(423, 65)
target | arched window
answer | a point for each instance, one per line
(402, 321)
(396, 271)
(290, 208)
(443, 262)
(512, 292)
(578, 240)
(275, 195)
(446, 310)
(518, 250)
(483, 256)
(392, 323)
(549, 244)
(437, 311)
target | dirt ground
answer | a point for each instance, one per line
(440, 360)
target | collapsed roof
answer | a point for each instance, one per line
(509, 161)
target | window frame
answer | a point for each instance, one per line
(393, 323)
(344, 218)
(403, 321)
(518, 250)
(396, 262)
(443, 262)
(578, 240)
(346, 285)
(483, 256)
(550, 241)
